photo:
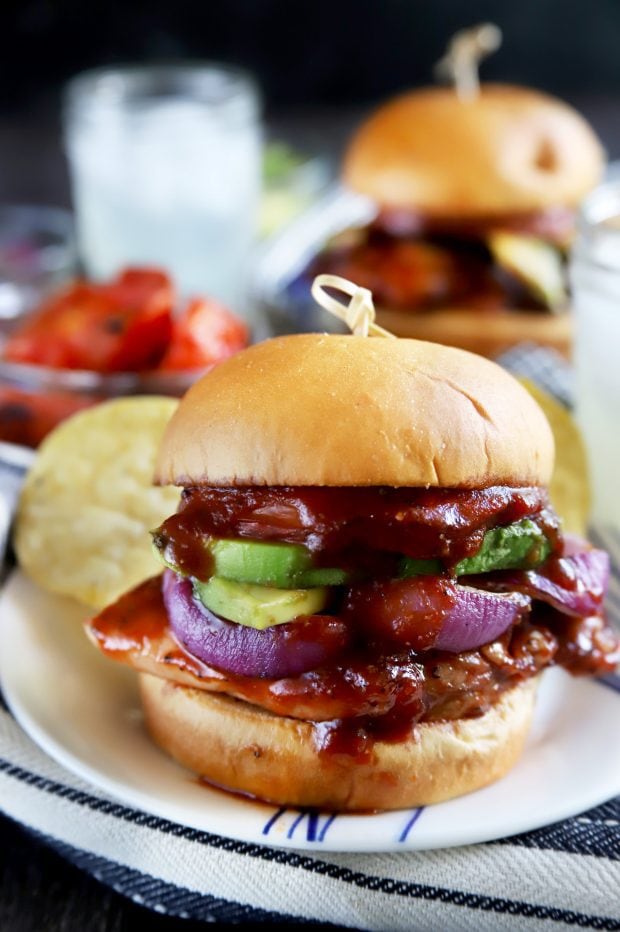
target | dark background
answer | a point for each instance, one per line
(318, 52)
(321, 64)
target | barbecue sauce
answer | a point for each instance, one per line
(386, 680)
(416, 263)
(377, 694)
(357, 529)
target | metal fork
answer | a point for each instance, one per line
(15, 461)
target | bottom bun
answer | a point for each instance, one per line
(488, 334)
(246, 749)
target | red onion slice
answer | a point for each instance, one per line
(429, 612)
(283, 650)
(479, 618)
(575, 584)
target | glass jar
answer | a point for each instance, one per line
(595, 278)
(166, 170)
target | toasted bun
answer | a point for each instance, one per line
(510, 149)
(487, 334)
(242, 747)
(313, 409)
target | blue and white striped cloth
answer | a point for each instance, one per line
(565, 875)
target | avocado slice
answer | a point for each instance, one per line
(535, 263)
(258, 607)
(515, 546)
(285, 566)
(289, 566)
(409, 567)
(264, 563)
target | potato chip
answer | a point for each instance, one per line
(570, 486)
(88, 503)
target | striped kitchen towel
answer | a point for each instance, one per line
(565, 875)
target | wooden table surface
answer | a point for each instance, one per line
(39, 891)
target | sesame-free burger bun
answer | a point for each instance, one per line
(508, 150)
(242, 747)
(487, 334)
(313, 409)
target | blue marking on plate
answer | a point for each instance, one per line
(313, 824)
(291, 830)
(612, 681)
(314, 830)
(274, 818)
(326, 825)
(413, 818)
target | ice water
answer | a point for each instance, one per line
(596, 296)
(169, 181)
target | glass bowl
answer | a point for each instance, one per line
(37, 250)
(35, 399)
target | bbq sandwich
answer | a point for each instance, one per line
(364, 577)
(475, 209)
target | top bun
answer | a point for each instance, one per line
(314, 409)
(508, 150)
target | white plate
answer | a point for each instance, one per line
(83, 710)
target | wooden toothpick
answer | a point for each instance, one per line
(358, 313)
(465, 51)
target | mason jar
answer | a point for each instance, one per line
(595, 279)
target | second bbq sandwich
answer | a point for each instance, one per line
(476, 202)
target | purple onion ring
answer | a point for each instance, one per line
(279, 651)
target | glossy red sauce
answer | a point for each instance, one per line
(415, 263)
(561, 572)
(361, 529)
(370, 693)
(405, 612)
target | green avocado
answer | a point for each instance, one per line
(285, 566)
(515, 546)
(408, 566)
(290, 567)
(534, 262)
(258, 606)
(264, 563)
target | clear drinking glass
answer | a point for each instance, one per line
(595, 276)
(166, 169)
